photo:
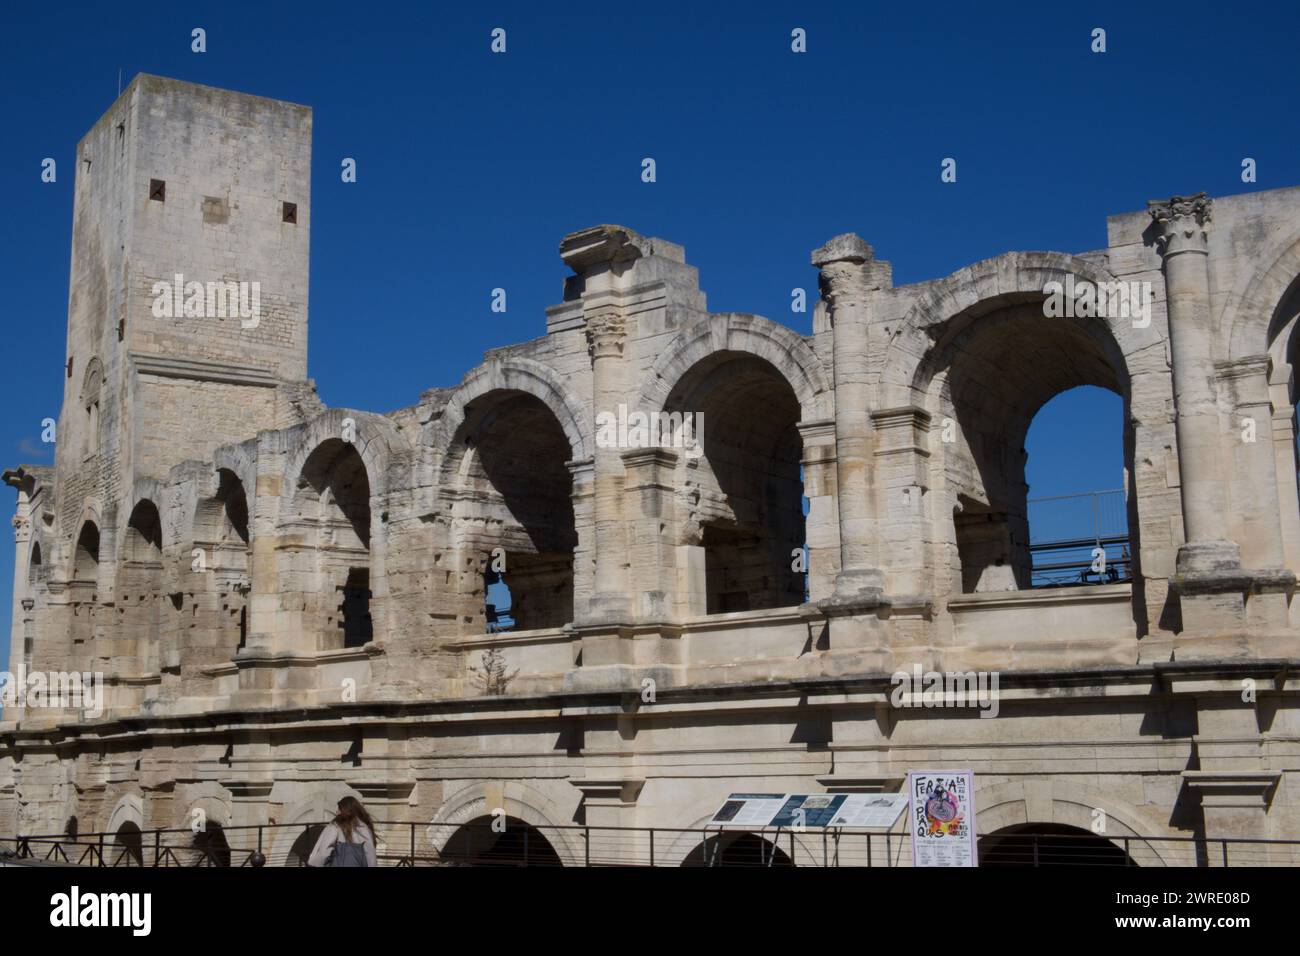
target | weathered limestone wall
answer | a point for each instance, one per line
(288, 602)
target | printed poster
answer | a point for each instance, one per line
(942, 817)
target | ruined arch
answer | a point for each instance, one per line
(516, 375)
(327, 560)
(743, 481)
(86, 551)
(981, 356)
(1250, 317)
(219, 551)
(742, 333)
(509, 533)
(376, 440)
(140, 583)
(952, 304)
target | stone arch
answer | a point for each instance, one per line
(128, 809)
(308, 816)
(1019, 802)
(214, 801)
(517, 375)
(1249, 313)
(747, 334)
(92, 381)
(518, 800)
(953, 303)
(377, 440)
(220, 535)
(503, 455)
(240, 461)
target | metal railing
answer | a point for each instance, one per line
(1066, 532)
(515, 844)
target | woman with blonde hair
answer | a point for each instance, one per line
(349, 840)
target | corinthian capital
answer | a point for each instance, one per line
(606, 333)
(1181, 221)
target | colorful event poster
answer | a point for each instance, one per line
(942, 817)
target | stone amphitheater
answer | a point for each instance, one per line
(289, 603)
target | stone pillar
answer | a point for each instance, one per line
(601, 258)
(611, 802)
(1209, 578)
(849, 274)
(821, 528)
(606, 338)
(652, 527)
(1182, 224)
(22, 538)
(1256, 499)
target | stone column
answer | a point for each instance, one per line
(606, 337)
(849, 274)
(1209, 578)
(22, 536)
(1182, 224)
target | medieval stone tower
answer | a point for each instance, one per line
(289, 603)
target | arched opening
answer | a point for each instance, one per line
(499, 841)
(992, 375)
(86, 561)
(129, 842)
(737, 849)
(1077, 506)
(300, 852)
(748, 481)
(1049, 844)
(221, 543)
(34, 563)
(1284, 392)
(140, 582)
(513, 517)
(332, 509)
(210, 846)
(81, 589)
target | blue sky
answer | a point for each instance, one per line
(471, 166)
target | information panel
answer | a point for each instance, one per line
(749, 810)
(942, 817)
(878, 810)
(759, 811)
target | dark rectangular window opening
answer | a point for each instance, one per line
(158, 190)
(289, 213)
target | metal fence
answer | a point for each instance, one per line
(515, 844)
(1066, 531)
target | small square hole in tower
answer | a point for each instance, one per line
(289, 212)
(158, 190)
